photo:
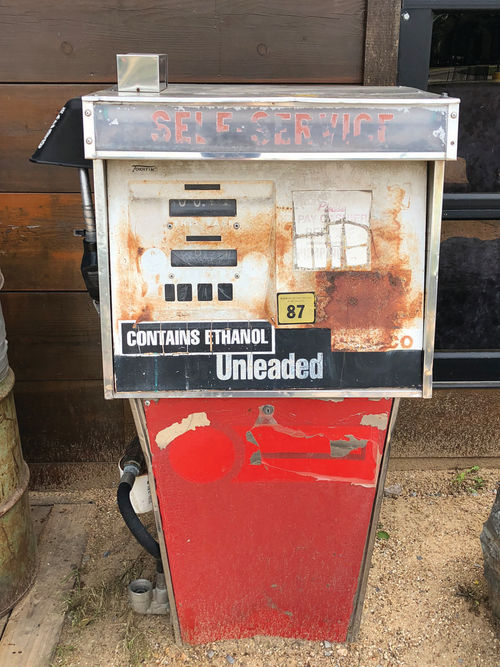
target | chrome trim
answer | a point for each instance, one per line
(88, 128)
(296, 94)
(434, 213)
(137, 409)
(101, 214)
(284, 157)
(452, 131)
(359, 597)
(382, 392)
(87, 206)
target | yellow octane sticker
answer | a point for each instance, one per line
(296, 308)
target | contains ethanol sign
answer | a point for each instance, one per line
(166, 338)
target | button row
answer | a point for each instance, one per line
(204, 292)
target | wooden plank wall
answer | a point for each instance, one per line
(55, 50)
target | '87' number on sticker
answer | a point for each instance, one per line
(295, 312)
(296, 308)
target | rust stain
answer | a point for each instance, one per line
(364, 309)
(406, 341)
(386, 233)
(145, 314)
(368, 308)
(373, 302)
(137, 299)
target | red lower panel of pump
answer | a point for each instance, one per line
(266, 508)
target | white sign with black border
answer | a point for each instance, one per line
(200, 338)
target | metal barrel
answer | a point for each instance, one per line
(17, 540)
(4, 364)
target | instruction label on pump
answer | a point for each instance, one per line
(296, 308)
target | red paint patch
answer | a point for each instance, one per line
(202, 456)
(265, 520)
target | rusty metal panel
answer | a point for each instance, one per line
(144, 235)
(352, 235)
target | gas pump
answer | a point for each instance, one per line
(268, 263)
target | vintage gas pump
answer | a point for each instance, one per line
(268, 263)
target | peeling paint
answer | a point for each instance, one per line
(292, 432)
(326, 478)
(251, 439)
(379, 421)
(189, 423)
(256, 459)
(341, 448)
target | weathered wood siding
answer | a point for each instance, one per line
(55, 50)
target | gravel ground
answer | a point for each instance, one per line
(426, 601)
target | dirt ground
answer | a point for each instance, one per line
(426, 601)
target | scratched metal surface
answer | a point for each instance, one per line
(259, 92)
(375, 305)
(265, 510)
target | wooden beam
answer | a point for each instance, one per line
(382, 42)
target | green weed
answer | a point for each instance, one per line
(467, 480)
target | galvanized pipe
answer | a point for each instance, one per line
(88, 208)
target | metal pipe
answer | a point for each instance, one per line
(87, 205)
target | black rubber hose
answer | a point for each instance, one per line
(132, 521)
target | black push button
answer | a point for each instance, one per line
(169, 293)
(205, 292)
(225, 291)
(184, 292)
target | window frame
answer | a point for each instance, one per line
(452, 368)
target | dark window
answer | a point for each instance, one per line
(203, 257)
(202, 207)
(452, 47)
(184, 292)
(204, 292)
(225, 291)
(169, 293)
(465, 63)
